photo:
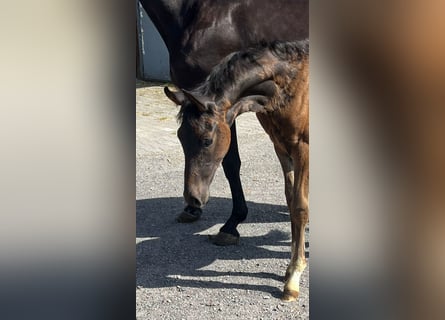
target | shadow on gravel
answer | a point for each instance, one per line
(173, 252)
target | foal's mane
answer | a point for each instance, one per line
(233, 68)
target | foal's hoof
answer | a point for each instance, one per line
(289, 295)
(189, 215)
(224, 239)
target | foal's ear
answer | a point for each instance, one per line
(177, 97)
(255, 103)
(255, 99)
(203, 103)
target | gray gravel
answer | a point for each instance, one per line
(180, 274)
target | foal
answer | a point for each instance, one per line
(271, 80)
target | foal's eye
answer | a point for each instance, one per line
(207, 142)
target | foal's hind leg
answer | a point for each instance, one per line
(299, 214)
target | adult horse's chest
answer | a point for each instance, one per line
(198, 54)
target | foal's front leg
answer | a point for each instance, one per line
(287, 166)
(288, 172)
(299, 214)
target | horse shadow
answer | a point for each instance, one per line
(171, 254)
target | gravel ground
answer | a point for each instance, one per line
(180, 274)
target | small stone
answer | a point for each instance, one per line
(266, 297)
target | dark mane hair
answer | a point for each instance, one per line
(226, 73)
(229, 72)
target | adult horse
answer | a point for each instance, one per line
(271, 80)
(198, 34)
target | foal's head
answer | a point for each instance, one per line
(249, 80)
(204, 134)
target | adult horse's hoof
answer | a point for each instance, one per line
(224, 239)
(189, 214)
(289, 295)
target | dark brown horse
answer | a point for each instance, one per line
(199, 33)
(271, 80)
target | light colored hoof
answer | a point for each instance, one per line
(224, 239)
(289, 295)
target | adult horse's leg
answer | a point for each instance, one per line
(228, 234)
(299, 214)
